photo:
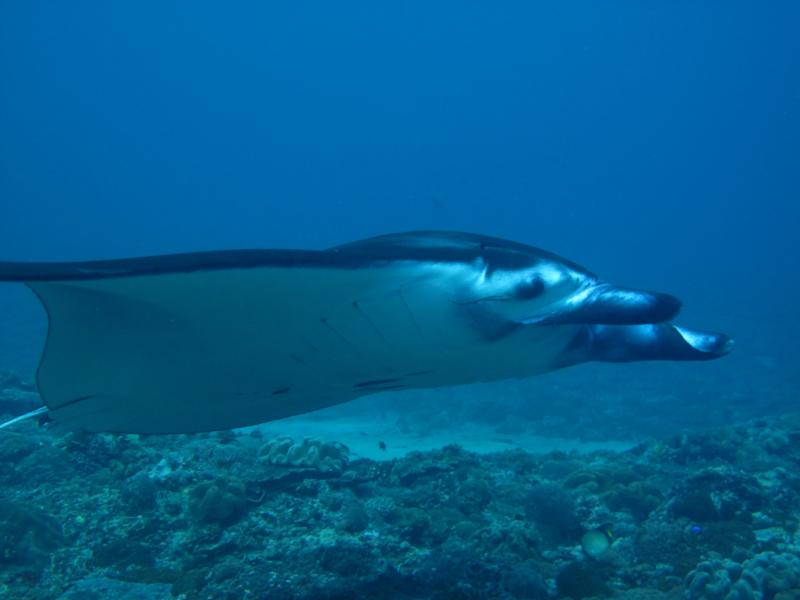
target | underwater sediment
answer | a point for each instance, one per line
(700, 515)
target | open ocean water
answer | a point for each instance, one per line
(658, 144)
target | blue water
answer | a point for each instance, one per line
(657, 143)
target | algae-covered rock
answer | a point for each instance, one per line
(696, 505)
(473, 496)
(15, 447)
(354, 519)
(457, 574)
(523, 582)
(697, 447)
(720, 493)
(49, 464)
(140, 493)
(123, 552)
(581, 580)
(514, 540)
(219, 501)
(638, 499)
(101, 588)
(671, 543)
(599, 479)
(413, 523)
(414, 469)
(727, 538)
(27, 534)
(345, 558)
(554, 511)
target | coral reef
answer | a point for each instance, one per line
(766, 576)
(324, 456)
(709, 515)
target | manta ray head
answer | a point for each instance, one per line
(553, 293)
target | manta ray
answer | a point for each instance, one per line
(214, 340)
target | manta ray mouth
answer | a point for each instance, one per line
(606, 304)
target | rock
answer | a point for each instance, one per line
(27, 534)
(696, 506)
(354, 519)
(101, 588)
(473, 496)
(581, 579)
(553, 509)
(15, 446)
(218, 501)
(140, 493)
(524, 582)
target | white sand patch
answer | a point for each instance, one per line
(364, 435)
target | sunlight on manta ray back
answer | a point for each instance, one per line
(208, 341)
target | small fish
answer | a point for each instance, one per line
(382, 445)
(595, 543)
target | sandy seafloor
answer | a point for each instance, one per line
(366, 501)
(363, 437)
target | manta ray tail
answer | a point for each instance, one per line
(28, 415)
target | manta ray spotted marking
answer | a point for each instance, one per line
(214, 340)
